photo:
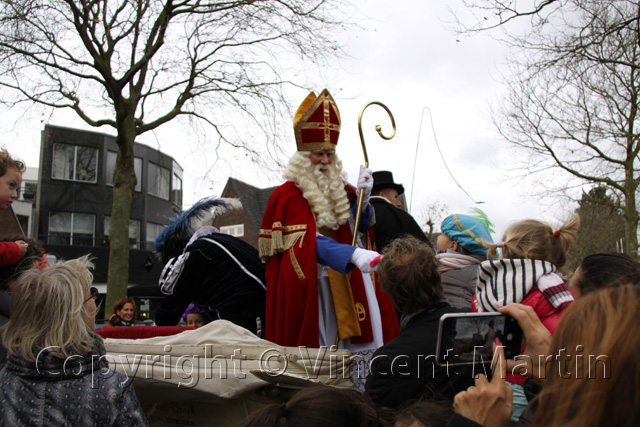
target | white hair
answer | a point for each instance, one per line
(323, 190)
(48, 311)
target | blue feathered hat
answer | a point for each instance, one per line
(468, 232)
(172, 240)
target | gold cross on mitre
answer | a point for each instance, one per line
(317, 123)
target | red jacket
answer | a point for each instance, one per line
(9, 253)
(548, 314)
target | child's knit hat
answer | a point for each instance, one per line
(468, 232)
(192, 308)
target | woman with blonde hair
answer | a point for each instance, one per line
(56, 372)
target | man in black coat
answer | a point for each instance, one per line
(405, 368)
(391, 221)
(212, 270)
(218, 272)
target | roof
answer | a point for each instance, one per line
(9, 223)
(254, 200)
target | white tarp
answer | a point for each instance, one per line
(221, 360)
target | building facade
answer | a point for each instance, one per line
(24, 206)
(74, 198)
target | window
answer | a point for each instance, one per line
(74, 163)
(176, 191)
(66, 228)
(134, 231)
(153, 231)
(111, 167)
(233, 230)
(158, 181)
(28, 191)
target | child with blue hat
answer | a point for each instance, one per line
(460, 252)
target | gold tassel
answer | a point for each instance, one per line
(277, 243)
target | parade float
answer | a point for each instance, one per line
(221, 373)
(217, 374)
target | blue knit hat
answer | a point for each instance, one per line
(468, 232)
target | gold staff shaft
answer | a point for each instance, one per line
(366, 158)
(366, 165)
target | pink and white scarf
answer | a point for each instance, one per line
(451, 260)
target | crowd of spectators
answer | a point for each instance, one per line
(579, 354)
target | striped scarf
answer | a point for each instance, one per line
(506, 281)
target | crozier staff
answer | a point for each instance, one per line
(305, 240)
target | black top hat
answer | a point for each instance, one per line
(384, 179)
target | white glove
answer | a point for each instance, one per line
(365, 260)
(365, 181)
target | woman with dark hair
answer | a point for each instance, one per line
(405, 368)
(319, 406)
(123, 313)
(604, 270)
(56, 372)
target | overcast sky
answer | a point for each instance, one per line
(413, 64)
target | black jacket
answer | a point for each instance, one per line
(5, 302)
(221, 273)
(392, 222)
(78, 391)
(405, 368)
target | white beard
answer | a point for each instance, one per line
(323, 187)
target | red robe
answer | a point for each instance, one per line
(287, 243)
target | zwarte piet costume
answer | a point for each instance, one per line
(213, 270)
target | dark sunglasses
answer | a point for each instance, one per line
(95, 293)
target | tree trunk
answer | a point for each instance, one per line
(124, 183)
(631, 217)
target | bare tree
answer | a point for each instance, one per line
(135, 65)
(431, 216)
(488, 15)
(573, 93)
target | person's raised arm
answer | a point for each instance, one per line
(537, 341)
(488, 403)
